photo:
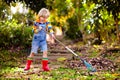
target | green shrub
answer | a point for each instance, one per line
(73, 31)
(13, 33)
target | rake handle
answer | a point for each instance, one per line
(66, 47)
(69, 49)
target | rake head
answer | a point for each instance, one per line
(89, 66)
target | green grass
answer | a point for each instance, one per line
(59, 74)
(10, 71)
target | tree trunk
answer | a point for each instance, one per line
(117, 30)
(78, 13)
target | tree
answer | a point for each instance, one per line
(13, 28)
(113, 7)
(3, 10)
(35, 5)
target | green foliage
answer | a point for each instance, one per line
(105, 12)
(112, 6)
(3, 10)
(14, 34)
(73, 31)
(98, 22)
(77, 17)
(34, 5)
(60, 11)
(9, 63)
(15, 25)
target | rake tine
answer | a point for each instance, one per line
(88, 65)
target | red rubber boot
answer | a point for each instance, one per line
(45, 65)
(27, 67)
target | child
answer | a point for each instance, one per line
(41, 26)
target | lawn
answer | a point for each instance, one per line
(12, 65)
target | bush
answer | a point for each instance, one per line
(73, 31)
(13, 33)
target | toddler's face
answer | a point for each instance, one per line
(43, 18)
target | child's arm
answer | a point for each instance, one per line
(51, 32)
(50, 29)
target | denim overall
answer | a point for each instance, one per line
(39, 39)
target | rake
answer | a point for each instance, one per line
(88, 65)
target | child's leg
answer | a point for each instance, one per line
(45, 54)
(29, 61)
(31, 55)
(45, 62)
(43, 48)
(35, 46)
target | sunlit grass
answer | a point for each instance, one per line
(10, 70)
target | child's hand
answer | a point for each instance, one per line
(40, 28)
(52, 39)
(53, 36)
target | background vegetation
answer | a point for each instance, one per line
(85, 22)
(78, 19)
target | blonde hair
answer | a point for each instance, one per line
(43, 13)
